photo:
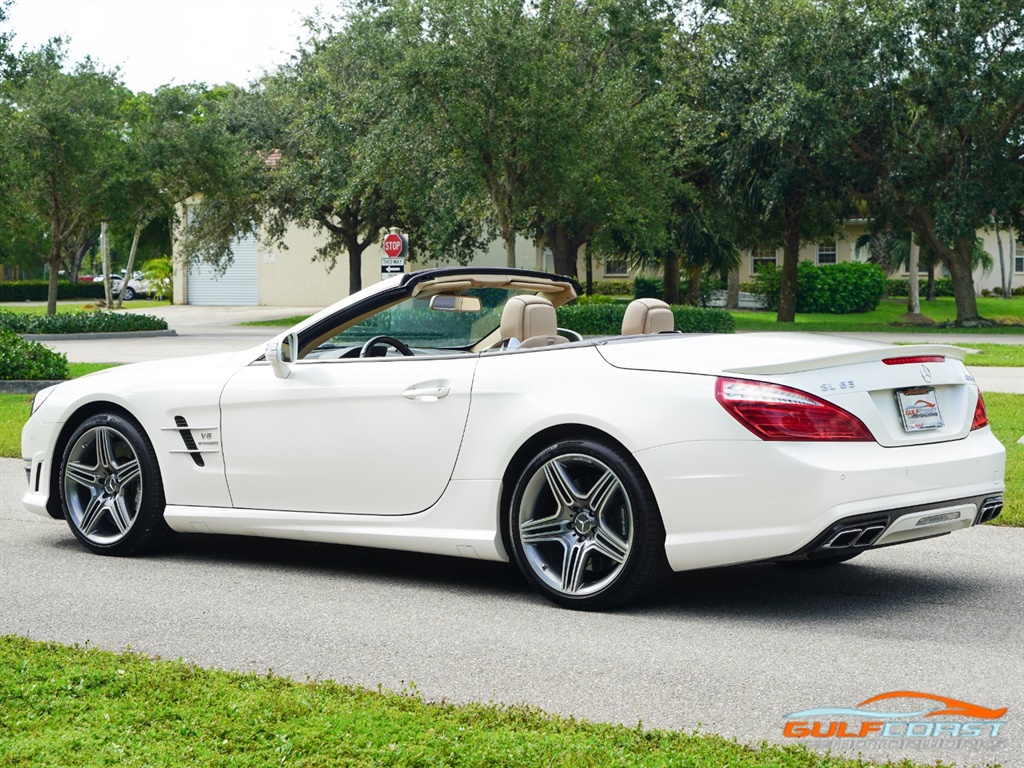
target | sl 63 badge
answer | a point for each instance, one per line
(832, 387)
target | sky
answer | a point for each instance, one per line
(156, 42)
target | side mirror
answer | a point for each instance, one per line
(281, 353)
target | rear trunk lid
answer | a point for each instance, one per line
(905, 401)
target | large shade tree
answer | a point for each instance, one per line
(61, 137)
(939, 140)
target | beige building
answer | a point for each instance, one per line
(262, 274)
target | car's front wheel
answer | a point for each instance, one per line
(585, 528)
(110, 487)
(129, 294)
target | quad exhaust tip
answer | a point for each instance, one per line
(989, 510)
(858, 536)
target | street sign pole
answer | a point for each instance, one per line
(395, 247)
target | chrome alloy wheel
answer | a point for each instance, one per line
(102, 485)
(575, 524)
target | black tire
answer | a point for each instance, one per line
(818, 562)
(111, 491)
(129, 294)
(587, 549)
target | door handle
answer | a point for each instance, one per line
(427, 392)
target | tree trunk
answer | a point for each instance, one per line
(790, 259)
(588, 261)
(509, 236)
(565, 250)
(914, 285)
(693, 279)
(958, 262)
(53, 262)
(732, 294)
(108, 292)
(931, 283)
(130, 269)
(355, 263)
(670, 279)
(1005, 277)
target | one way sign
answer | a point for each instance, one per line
(391, 266)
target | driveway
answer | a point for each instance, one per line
(728, 651)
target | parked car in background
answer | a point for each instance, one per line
(137, 286)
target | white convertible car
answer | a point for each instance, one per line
(443, 411)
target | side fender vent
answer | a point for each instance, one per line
(189, 441)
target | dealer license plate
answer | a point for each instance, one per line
(919, 409)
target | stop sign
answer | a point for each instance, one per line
(393, 246)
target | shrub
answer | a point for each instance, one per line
(613, 288)
(604, 319)
(80, 322)
(648, 288)
(597, 299)
(37, 290)
(900, 287)
(835, 289)
(21, 359)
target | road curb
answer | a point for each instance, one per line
(24, 387)
(96, 336)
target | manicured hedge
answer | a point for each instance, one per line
(37, 290)
(29, 360)
(613, 288)
(606, 319)
(834, 289)
(80, 322)
(898, 288)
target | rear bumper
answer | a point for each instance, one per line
(727, 502)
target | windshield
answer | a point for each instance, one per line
(414, 322)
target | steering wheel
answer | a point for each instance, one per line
(391, 341)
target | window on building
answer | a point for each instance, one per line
(759, 257)
(616, 267)
(826, 253)
(1018, 258)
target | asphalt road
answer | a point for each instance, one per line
(729, 651)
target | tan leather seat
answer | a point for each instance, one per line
(532, 321)
(647, 316)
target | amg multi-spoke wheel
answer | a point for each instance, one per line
(584, 527)
(110, 487)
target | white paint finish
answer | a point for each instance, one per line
(340, 436)
(458, 522)
(369, 452)
(731, 502)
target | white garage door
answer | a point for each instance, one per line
(236, 287)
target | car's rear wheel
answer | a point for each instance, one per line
(110, 487)
(129, 294)
(585, 528)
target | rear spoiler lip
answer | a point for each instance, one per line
(851, 358)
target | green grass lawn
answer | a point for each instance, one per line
(889, 311)
(36, 308)
(286, 322)
(74, 707)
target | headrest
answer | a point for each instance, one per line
(526, 316)
(647, 316)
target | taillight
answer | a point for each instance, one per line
(914, 359)
(773, 412)
(980, 416)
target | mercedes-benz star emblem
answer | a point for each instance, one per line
(926, 374)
